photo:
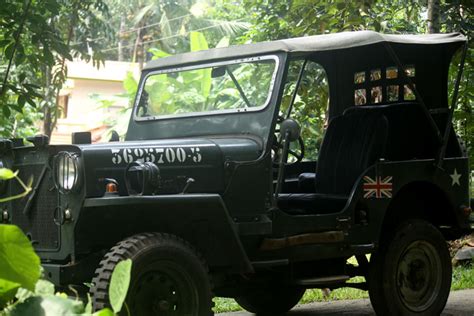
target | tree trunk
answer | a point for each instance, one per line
(433, 23)
(121, 39)
(54, 84)
(138, 48)
(46, 109)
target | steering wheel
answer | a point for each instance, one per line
(277, 147)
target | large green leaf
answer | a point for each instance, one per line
(49, 305)
(44, 287)
(158, 53)
(7, 291)
(6, 174)
(104, 312)
(18, 261)
(224, 42)
(130, 85)
(198, 42)
(119, 283)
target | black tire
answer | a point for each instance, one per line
(411, 273)
(270, 300)
(168, 277)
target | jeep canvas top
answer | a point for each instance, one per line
(256, 171)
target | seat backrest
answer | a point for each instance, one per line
(410, 135)
(353, 142)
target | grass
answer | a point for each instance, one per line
(463, 278)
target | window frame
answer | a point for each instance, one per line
(271, 88)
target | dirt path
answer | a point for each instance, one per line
(460, 303)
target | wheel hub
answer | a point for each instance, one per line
(166, 291)
(163, 305)
(419, 276)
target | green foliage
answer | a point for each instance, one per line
(171, 22)
(49, 33)
(8, 290)
(277, 19)
(6, 174)
(18, 261)
(119, 283)
(194, 91)
(463, 277)
(23, 293)
(198, 91)
(198, 42)
(310, 105)
(47, 305)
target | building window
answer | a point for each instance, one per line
(63, 101)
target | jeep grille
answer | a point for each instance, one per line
(38, 223)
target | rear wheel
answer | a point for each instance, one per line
(270, 300)
(411, 274)
(168, 277)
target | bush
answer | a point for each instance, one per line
(23, 292)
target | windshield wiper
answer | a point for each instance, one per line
(237, 85)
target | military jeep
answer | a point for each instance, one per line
(255, 172)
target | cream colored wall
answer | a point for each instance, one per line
(85, 113)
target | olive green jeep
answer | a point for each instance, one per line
(255, 172)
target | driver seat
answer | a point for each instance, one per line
(353, 142)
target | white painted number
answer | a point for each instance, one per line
(181, 154)
(156, 155)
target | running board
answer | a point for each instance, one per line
(303, 239)
(270, 263)
(323, 280)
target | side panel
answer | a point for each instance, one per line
(391, 178)
(201, 219)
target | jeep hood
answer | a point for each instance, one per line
(177, 160)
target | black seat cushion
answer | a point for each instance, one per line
(353, 142)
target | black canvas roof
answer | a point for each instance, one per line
(315, 43)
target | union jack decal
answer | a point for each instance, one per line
(377, 188)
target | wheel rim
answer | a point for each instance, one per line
(164, 289)
(419, 276)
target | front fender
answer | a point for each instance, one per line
(201, 219)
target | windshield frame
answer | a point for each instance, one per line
(271, 88)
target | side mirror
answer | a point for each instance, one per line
(291, 128)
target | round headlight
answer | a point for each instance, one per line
(67, 171)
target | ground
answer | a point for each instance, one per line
(460, 303)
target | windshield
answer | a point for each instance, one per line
(242, 85)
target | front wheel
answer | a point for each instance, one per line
(411, 274)
(168, 277)
(270, 300)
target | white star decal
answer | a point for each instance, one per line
(455, 177)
